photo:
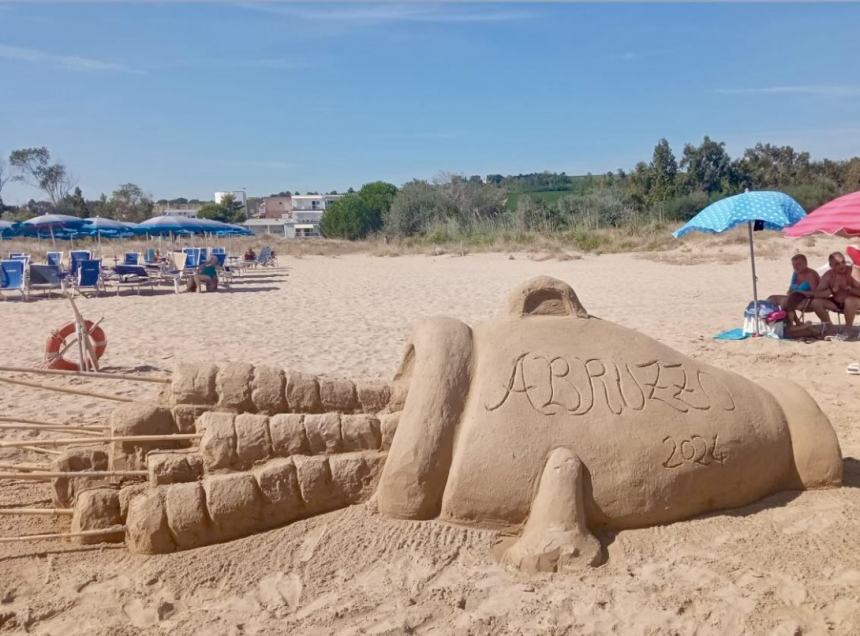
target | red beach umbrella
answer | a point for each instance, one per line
(840, 216)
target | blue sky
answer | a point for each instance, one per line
(186, 99)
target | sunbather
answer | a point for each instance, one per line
(838, 291)
(206, 277)
(804, 280)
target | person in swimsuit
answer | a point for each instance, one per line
(839, 291)
(804, 280)
(206, 278)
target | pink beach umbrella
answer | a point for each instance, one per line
(840, 216)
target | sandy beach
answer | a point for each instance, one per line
(786, 565)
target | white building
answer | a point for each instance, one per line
(239, 196)
(313, 202)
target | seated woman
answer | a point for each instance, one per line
(250, 255)
(804, 281)
(206, 277)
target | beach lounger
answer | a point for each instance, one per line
(45, 278)
(12, 277)
(89, 276)
(132, 276)
(192, 257)
(55, 259)
(131, 258)
(75, 257)
(149, 255)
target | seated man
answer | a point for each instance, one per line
(206, 277)
(804, 280)
(250, 255)
(837, 291)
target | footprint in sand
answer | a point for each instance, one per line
(280, 590)
(309, 545)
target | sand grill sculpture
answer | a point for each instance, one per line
(548, 422)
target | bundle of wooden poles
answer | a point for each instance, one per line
(74, 434)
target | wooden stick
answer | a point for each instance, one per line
(89, 374)
(60, 389)
(36, 511)
(64, 535)
(68, 474)
(45, 451)
(25, 467)
(62, 441)
(21, 420)
(90, 430)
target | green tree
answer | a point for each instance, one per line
(129, 203)
(415, 207)
(708, 166)
(664, 173)
(34, 167)
(351, 218)
(378, 195)
(75, 204)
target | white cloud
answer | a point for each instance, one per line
(823, 91)
(71, 62)
(381, 14)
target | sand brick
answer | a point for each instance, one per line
(287, 432)
(267, 390)
(187, 518)
(174, 467)
(323, 432)
(252, 438)
(337, 394)
(233, 384)
(302, 393)
(360, 432)
(95, 509)
(373, 395)
(147, 531)
(194, 384)
(233, 503)
(218, 444)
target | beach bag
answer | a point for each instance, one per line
(772, 328)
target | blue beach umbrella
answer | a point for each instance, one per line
(760, 210)
(7, 228)
(100, 224)
(53, 225)
(167, 224)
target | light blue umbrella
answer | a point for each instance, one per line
(8, 228)
(167, 224)
(764, 209)
(99, 224)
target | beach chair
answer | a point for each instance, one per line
(149, 255)
(12, 277)
(192, 257)
(131, 258)
(55, 259)
(89, 276)
(75, 257)
(132, 276)
(219, 250)
(203, 254)
(45, 278)
(18, 256)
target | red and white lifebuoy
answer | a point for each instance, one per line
(55, 344)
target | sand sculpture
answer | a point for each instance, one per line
(548, 422)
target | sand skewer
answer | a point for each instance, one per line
(88, 374)
(36, 511)
(62, 441)
(45, 451)
(21, 420)
(64, 474)
(64, 535)
(52, 428)
(25, 467)
(48, 387)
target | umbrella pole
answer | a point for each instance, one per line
(754, 278)
(53, 242)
